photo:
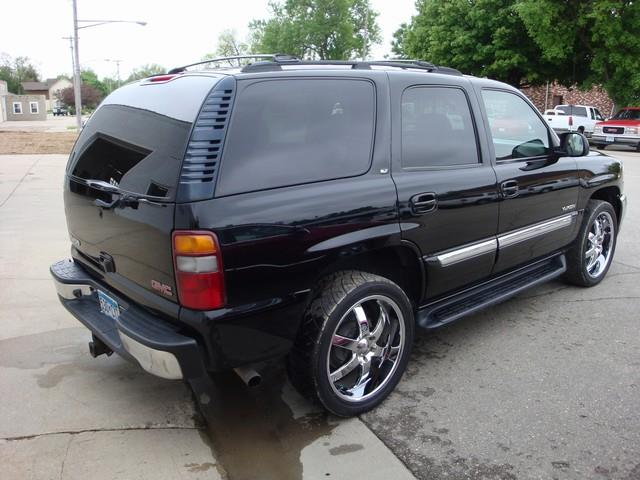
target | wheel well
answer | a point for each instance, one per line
(611, 195)
(399, 264)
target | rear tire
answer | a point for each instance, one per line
(354, 342)
(590, 256)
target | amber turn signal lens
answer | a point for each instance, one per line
(194, 244)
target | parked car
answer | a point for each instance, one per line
(60, 111)
(573, 118)
(623, 128)
(320, 211)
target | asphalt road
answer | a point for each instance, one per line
(544, 386)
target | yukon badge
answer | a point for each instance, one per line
(566, 208)
(162, 288)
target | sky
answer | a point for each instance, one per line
(177, 32)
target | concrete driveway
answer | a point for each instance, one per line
(544, 386)
(66, 415)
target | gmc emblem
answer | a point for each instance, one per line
(162, 288)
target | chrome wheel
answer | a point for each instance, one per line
(365, 348)
(599, 245)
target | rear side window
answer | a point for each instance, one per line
(437, 129)
(288, 132)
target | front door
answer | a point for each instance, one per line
(539, 189)
(446, 186)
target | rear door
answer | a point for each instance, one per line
(539, 190)
(134, 144)
(446, 186)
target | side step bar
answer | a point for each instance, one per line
(489, 293)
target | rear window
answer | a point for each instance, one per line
(137, 138)
(573, 110)
(294, 131)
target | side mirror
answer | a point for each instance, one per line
(574, 144)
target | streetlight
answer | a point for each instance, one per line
(76, 66)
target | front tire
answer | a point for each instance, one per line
(590, 256)
(354, 342)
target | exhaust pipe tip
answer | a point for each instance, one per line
(249, 376)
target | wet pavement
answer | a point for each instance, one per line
(66, 415)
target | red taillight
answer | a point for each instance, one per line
(198, 264)
(571, 121)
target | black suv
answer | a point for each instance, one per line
(322, 211)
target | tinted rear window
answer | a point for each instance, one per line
(573, 110)
(136, 140)
(437, 128)
(288, 132)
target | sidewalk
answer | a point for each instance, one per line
(69, 416)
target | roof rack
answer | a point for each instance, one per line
(274, 57)
(270, 62)
(276, 62)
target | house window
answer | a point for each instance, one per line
(17, 108)
(33, 107)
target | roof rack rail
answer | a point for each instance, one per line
(276, 62)
(274, 57)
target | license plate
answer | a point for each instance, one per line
(108, 305)
(609, 138)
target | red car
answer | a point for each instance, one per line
(623, 128)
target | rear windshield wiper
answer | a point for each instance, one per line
(101, 185)
(123, 199)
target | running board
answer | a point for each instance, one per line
(489, 293)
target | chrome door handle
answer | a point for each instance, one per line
(509, 189)
(423, 202)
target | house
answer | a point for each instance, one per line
(49, 88)
(548, 96)
(3, 93)
(21, 107)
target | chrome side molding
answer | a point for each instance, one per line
(494, 244)
(467, 252)
(527, 233)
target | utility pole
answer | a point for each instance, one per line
(76, 69)
(73, 62)
(117, 62)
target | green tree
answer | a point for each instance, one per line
(144, 71)
(317, 29)
(229, 45)
(597, 41)
(14, 71)
(479, 37)
(89, 77)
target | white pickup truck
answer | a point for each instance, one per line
(573, 118)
